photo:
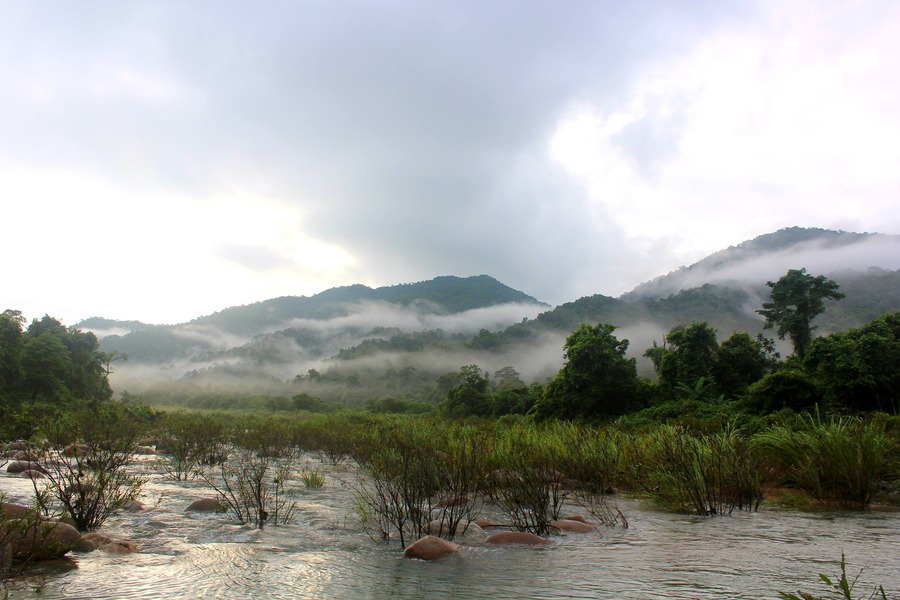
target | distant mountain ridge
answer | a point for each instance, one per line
(767, 257)
(294, 316)
(446, 294)
(352, 333)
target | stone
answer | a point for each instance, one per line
(31, 474)
(484, 523)
(471, 534)
(75, 450)
(11, 511)
(134, 506)
(430, 548)
(521, 538)
(581, 518)
(204, 505)
(19, 466)
(44, 540)
(571, 526)
(119, 547)
(98, 541)
(26, 456)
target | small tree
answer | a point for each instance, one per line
(797, 299)
(90, 480)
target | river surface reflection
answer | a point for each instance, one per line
(325, 554)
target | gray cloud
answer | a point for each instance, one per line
(413, 135)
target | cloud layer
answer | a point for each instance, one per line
(162, 160)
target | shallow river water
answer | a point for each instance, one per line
(324, 553)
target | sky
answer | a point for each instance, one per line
(162, 160)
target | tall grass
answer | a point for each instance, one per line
(525, 479)
(839, 459)
(705, 474)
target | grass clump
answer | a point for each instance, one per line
(706, 474)
(836, 460)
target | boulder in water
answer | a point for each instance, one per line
(430, 548)
(571, 526)
(204, 505)
(521, 538)
(43, 540)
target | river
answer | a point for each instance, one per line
(324, 553)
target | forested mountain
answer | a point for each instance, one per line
(317, 323)
(357, 343)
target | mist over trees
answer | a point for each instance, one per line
(404, 348)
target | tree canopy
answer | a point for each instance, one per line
(797, 299)
(596, 381)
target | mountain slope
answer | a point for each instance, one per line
(355, 308)
(765, 258)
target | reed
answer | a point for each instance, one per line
(839, 459)
(526, 479)
(706, 474)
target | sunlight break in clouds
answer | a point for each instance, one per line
(757, 128)
(179, 257)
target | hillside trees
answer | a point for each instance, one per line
(46, 364)
(797, 299)
(858, 369)
(470, 396)
(596, 381)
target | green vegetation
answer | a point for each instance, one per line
(43, 367)
(797, 299)
(724, 421)
(596, 381)
(843, 588)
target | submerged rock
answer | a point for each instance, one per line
(430, 548)
(10, 511)
(522, 538)
(580, 518)
(20, 466)
(204, 505)
(119, 547)
(98, 541)
(572, 526)
(43, 540)
(471, 534)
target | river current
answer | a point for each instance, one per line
(325, 553)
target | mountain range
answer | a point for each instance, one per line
(357, 333)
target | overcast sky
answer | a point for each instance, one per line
(164, 160)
